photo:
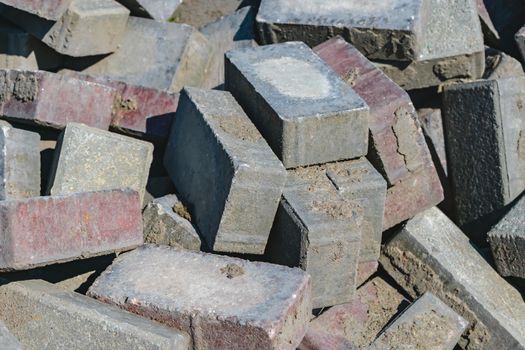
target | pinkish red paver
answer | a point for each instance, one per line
(45, 230)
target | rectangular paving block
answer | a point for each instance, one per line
(168, 222)
(300, 106)
(86, 28)
(44, 316)
(431, 254)
(233, 304)
(401, 30)
(19, 163)
(500, 65)
(90, 159)
(507, 241)
(48, 9)
(7, 340)
(46, 230)
(214, 150)
(52, 100)
(428, 323)
(318, 229)
(159, 10)
(199, 13)
(485, 138)
(520, 40)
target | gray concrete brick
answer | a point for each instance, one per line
(484, 123)
(90, 159)
(233, 304)
(167, 222)
(86, 28)
(7, 340)
(432, 124)
(406, 30)
(304, 110)
(426, 324)
(48, 9)
(198, 13)
(432, 254)
(214, 150)
(318, 229)
(44, 316)
(520, 40)
(500, 65)
(507, 241)
(159, 10)
(19, 162)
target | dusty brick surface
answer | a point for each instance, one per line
(7, 340)
(500, 65)
(234, 304)
(198, 13)
(159, 10)
(48, 9)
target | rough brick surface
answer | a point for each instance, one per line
(432, 254)
(53, 100)
(48, 9)
(302, 108)
(19, 163)
(198, 13)
(427, 324)
(500, 65)
(234, 304)
(432, 124)
(159, 10)
(44, 316)
(46, 230)
(520, 40)
(7, 340)
(167, 221)
(406, 30)
(89, 159)
(214, 150)
(507, 241)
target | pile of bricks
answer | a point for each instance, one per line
(262, 174)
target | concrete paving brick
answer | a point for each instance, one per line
(356, 324)
(176, 55)
(302, 108)
(484, 123)
(87, 27)
(500, 65)
(520, 40)
(507, 241)
(397, 144)
(48, 9)
(432, 124)
(167, 222)
(490, 34)
(404, 30)
(7, 340)
(215, 150)
(44, 316)
(426, 324)
(52, 100)
(159, 10)
(198, 13)
(432, 254)
(234, 304)
(46, 230)
(19, 163)
(90, 159)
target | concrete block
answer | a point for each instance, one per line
(520, 40)
(214, 150)
(484, 123)
(401, 30)
(426, 324)
(500, 65)
(52, 100)
(318, 229)
(176, 55)
(89, 159)
(86, 28)
(302, 108)
(356, 324)
(48, 9)
(168, 222)
(234, 304)
(507, 241)
(490, 34)
(46, 230)
(19, 163)
(397, 146)
(234, 31)
(44, 316)
(8, 341)
(198, 13)
(431, 254)
(432, 125)
(159, 10)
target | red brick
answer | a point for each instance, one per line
(315, 340)
(365, 270)
(45, 230)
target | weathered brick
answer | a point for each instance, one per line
(397, 144)
(86, 28)
(500, 65)
(159, 10)
(365, 270)
(507, 241)
(53, 100)
(520, 40)
(234, 304)
(215, 150)
(7, 340)
(167, 222)
(302, 108)
(198, 13)
(44, 316)
(490, 34)
(48, 9)
(19, 163)
(406, 30)
(315, 340)
(432, 125)
(432, 254)
(485, 138)
(89, 159)
(45, 230)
